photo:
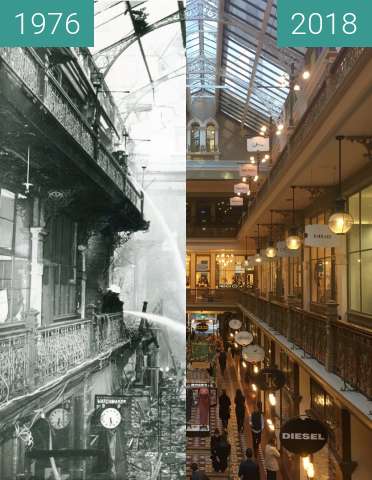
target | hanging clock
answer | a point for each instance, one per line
(110, 418)
(60, 418)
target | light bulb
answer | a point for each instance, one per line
(256, 369)
(269, 421)
(271, 251)
(236, 345)
(305, 462)
(264, 128)
(272, 399)
(254, 387)
(258, 258)
(278, 132)
(231, 334)
(306, 75)
(280, 126)
(293, 241)
(244, 364)
(251, 159)
(297, 88)
(340, 223)
(255, 179)
(244, 179)
(310, 470)
(272, 427)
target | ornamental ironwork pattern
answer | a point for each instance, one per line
(61, 348)
(29, 69)
(108, 331)
(14, 357)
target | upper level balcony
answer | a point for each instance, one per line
(52, 107)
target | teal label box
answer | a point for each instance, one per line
(324, 23)
(47, 23)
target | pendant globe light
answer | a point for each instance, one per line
(271, 251)
(293, 241)
(341, 221)
(258, 258)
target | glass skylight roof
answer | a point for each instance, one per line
(229, 70)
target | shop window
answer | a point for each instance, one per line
(195, 137)
(295, 277)
(323, 270)
(203, 279)
(59, 279)
(360, 252)
(230, 271)
(15, 224)
(211, 138)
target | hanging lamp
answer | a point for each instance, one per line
(271, 251)
(341, 221)
(258, 258)
(293, 241)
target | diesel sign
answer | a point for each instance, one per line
(303, 435)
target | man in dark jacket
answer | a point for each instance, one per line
(197, 474)
(222, 361)
(111, 302)
(248, 469)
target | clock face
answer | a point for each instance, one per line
(110, 418)
(59, 418)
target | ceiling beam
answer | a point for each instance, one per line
(219, 50)
(260, 44)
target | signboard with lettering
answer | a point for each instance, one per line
(258, 144)
(283, 251)
(104, 401)
(320, 236)
(303, 435)
(248, 170)
(236, 202)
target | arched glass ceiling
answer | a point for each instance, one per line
(232, 54)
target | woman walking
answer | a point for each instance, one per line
(272, 456)
(224, 408)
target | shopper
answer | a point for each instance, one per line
(240, 409)
(222, 361)
(224, 410)
(197, 474)
(257, 425)
(272, 456)
(223, 450)
(248, 469)
(215, 438)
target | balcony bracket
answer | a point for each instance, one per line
(365, 140)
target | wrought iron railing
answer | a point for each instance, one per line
(30, 357)
(344, 349)
(37, 80)
(226, 296)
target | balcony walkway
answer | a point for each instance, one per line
(198, 448)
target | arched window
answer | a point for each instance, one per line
(211, 138)
(195, 137)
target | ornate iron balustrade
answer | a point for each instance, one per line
(31, 357)
(344, 349)
(14, 366)
(29, 69)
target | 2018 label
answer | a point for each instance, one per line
(315, 23)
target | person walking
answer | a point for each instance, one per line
(248, 469)
(197, 474)
(257, 425)
(222, 361)
(272, 456)
(215, 438)
(223, 450)
(240, 409)
(224, 408)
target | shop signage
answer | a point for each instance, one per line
(303, 435)
(236, 202)
(103, 401)
(242, 188)
(253, 354)
(202, 327)
(283, 251)
(235, 324)
(258, 144)
(270, 379)
(248, 170)
(320, 236)
(244, 338)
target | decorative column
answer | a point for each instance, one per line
(82, 249)
(36, 280)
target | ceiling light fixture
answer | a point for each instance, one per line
(258, 258)
(271, 251)
(341, 221)
(306, 75)
(293, 241)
